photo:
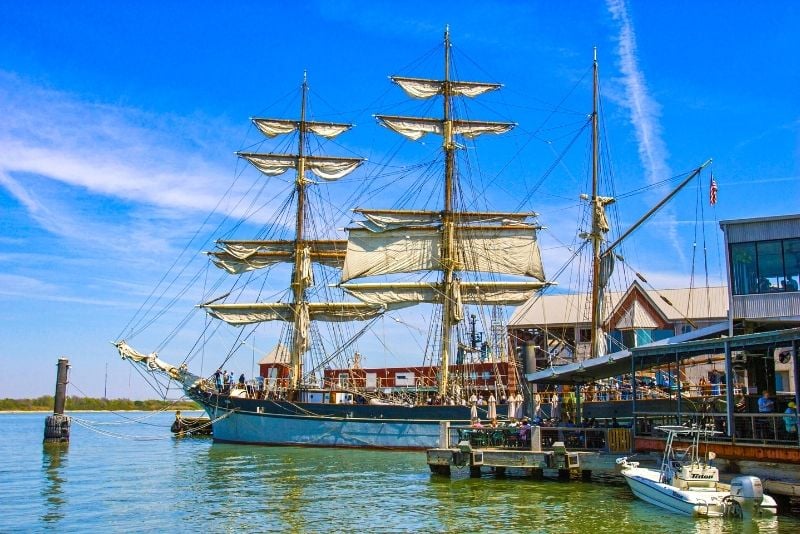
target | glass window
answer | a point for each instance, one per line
(629, 338)
(791, 260)
(584, 335)
(743, 267)
(770, 266)
(487, 375)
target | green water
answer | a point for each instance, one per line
(135, 477)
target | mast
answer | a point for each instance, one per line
(448, 241)
(448, 259)
(597, 209)
(298, 284)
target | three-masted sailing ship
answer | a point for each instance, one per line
(455, 256)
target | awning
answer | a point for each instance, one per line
(650, 355)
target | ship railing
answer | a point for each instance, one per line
(753, 428)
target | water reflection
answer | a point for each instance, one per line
(54, 464)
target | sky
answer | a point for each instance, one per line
(120, 121)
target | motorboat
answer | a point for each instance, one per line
(687, 483)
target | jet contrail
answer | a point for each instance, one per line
(644, 113)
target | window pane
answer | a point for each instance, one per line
(791, 258)
(743, 268)
(770, 266)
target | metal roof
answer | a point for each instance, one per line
(695, 303)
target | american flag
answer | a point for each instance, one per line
(712, 191)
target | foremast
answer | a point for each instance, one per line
(448, 241)
(241, 256)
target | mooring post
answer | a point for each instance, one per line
(56, 426)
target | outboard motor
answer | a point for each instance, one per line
(748, 493)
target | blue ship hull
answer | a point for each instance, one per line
(276, 422)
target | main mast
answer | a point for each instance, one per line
(395, 241)
(448, 259)
(298, 280)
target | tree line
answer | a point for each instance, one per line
(45, 403)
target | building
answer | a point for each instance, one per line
(763, 258)
(556, 329)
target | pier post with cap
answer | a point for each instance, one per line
(56, 426)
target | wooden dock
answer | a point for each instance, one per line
(478, 450)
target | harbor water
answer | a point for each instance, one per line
(126, 472)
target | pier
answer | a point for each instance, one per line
(562, 452)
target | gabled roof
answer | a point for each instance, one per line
(636, 316)
(280, 354)
(703, 303)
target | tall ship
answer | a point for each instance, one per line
(444, 256)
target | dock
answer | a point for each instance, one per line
(500, 449)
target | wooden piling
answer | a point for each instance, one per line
(57, 426)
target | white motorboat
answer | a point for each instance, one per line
(688, 485)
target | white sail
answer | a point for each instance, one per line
(416, 127)
(328, 130)
(241, 314)
(422, 88)
(237, 257)
(412, 127)
(496, 249)
(271, 164)
(382, 220)
(393, 295)
(473, 129)
(274, 127)
(327, 168)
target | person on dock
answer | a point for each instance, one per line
(790, 420)
(763, 424)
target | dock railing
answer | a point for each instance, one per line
(752, 428)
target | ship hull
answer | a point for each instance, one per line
(277, 422)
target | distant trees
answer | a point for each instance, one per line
(45, 403)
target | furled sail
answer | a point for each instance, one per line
(325, 167)
(274, 127)
(382, 220)
(497, 249)
(422, 88)
(416, 127)
(392, 295)
(241, 314)
(238, 257)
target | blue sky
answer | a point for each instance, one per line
(120, 121)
